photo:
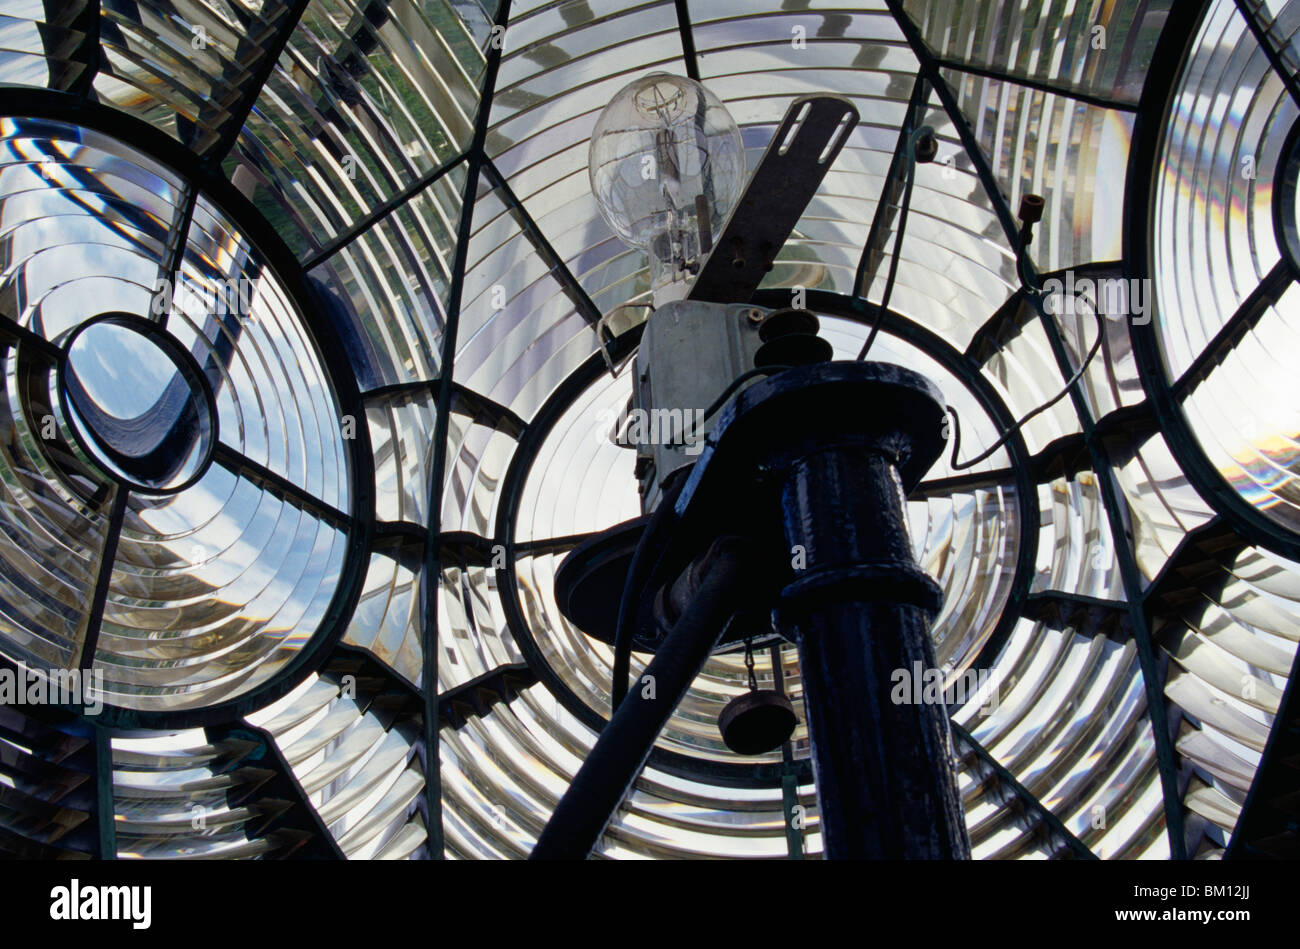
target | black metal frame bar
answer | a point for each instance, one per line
(241, 465)
(1286, 190)
(1269, 48)
(1086, 615)
(873, 251)
(105, 801)
(177, 241)
(502, 684)
(942, 487)
(1028, 798)
(344, 651)
(554, 262)
(1115, 512)
(1012, 310)
(466, 401)
(684, 27)
(286, 783)
(99, 597)
(380, 211)
(234, 124)
(997, 75)
(1215, 534)
(433, 554)
(789, 773)
(1251, 310)
(13, 333)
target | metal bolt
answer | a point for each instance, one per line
(926, 148)
(1031, 208)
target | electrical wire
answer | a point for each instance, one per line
(736, 383)
(662, 516)
(955, 465)
(897, 254)
(660, 519)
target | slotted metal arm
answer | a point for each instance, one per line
(801, 153)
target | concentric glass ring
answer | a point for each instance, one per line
(176, 487)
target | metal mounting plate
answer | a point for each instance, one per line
(800, 154)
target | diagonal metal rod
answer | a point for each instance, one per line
(555, 264)
(241, 466)
(688, 39)
(611, 768)
(873, 251)
(1214, 540)
(789, 773)
(378, 213)
(1250, 13)
(1030, 800)
(1079, 613)
(170, 267)
(14, 333)
(1012, 312)
(465, 401)
(256, 82)
(105, 803)
(1045, 87)
(962, 483)
(99, 598)
(1127, 562)
(553, 545)
(1251, 310)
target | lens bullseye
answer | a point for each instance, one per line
(138, 404)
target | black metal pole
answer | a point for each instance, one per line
(625, 743)
(860, 610)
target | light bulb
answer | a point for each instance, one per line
(667, 165)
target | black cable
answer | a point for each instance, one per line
(623, 632)
(895, 257)
(617, 435)
(956, 424)
(736, 383)
(623, 629)
(1022, 263)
